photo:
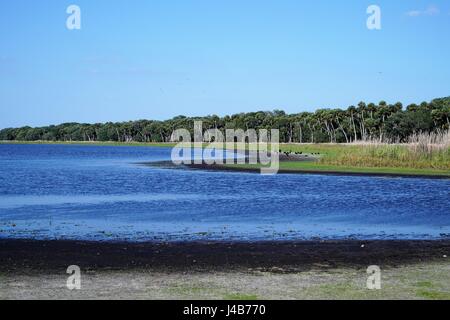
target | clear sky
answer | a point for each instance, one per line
(157, 59)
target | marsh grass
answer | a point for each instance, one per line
(430, 144)
(423, 151)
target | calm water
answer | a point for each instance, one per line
(102, 193)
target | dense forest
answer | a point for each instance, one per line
(364, 121)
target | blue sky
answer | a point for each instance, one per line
(158, 59)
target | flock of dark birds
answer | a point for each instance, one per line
(298, 153)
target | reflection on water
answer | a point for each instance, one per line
(101, 193)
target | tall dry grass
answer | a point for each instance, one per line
(423, 151)
(427, 144)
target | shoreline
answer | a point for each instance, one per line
(392, 172)
(324, 172)
(35, 257)
(256, 170)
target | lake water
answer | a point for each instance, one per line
(104, 193)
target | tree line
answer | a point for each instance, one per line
(365, 121)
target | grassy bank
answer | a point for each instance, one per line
(317, 167)
(371, 158)
(389, 159)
